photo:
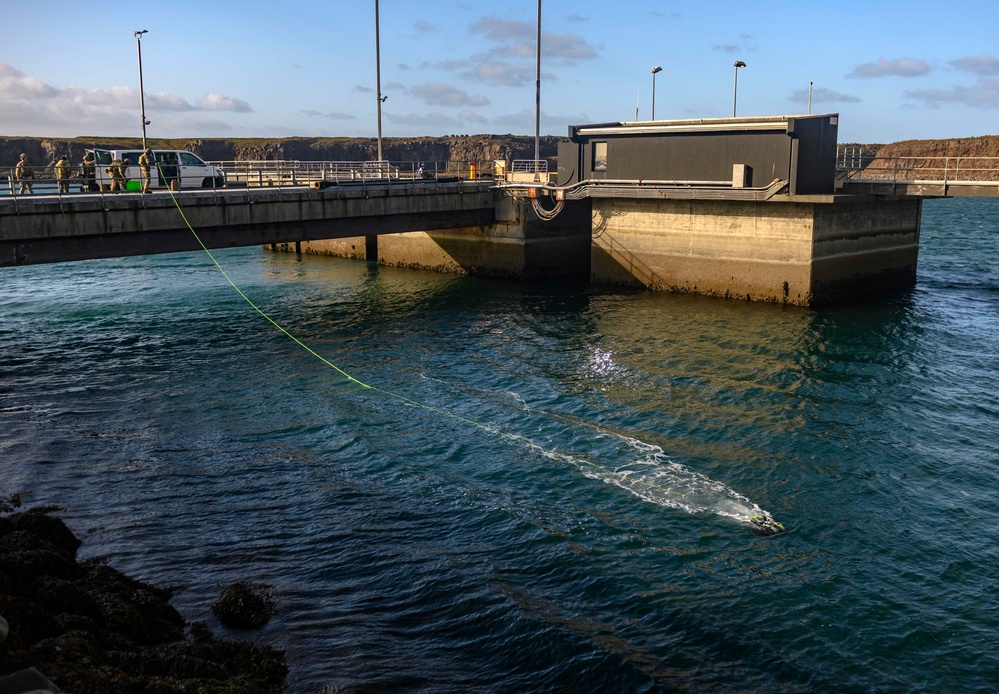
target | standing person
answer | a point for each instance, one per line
(62, 174)
(145, 161)
(89, 170)
(117, 173)
(25, 174)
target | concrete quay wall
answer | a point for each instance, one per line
(47, 229)
(804, 250)
(517, 246)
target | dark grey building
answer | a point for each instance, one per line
(741, 152)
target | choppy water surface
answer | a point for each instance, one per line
(566, 510)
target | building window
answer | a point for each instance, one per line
(599, 156)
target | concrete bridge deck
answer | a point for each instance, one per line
(44, 229)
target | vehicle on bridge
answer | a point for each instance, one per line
(185, 168)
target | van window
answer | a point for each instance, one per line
(102, 156)
(188, 159)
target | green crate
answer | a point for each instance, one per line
(133, 185)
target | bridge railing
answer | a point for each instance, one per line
(253, 174)
(920, 168)
(44, 180)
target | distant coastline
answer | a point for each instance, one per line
(43, 151)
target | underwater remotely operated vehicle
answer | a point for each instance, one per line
(764, 524)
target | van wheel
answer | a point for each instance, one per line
(207, 183)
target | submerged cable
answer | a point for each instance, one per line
(762, 522)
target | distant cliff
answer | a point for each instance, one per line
(45, 151)
(984, 146)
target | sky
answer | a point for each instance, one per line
(214, 68)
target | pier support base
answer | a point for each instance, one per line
(804, 250)
(522, 248)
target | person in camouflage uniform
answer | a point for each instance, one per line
(62, 172)
(146, 161)
(25, 174)
(117, 173)
(89, 169)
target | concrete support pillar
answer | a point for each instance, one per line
(804, 250)
(521, 247)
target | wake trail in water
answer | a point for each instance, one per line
(641, 468)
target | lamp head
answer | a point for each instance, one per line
(656, 69)
(739, 63)
(138, 34)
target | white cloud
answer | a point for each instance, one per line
(499, 30)
(501, 73)
(899, 67)
(15, 85)
(511, 63)
(217, 102)
(30, 106)
(978, 64)
(437, 94)
(523, 121)
(822, 95)
(447, 65)
(984, 94)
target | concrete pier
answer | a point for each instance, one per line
(517, 246)
(804, 250)
(50, 229)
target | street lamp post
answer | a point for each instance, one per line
(142, 96)
(809, 98)
(378, 80)
(735, 90)
(654, 71)
(537, 105)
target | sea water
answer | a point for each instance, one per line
(547, 486)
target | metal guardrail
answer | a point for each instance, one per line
(257, 174)
(531, 166)
(253, 174)
(942, 169)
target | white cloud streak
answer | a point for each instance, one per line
(899, 67)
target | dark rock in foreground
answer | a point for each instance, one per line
(244, 606)
(89, 628)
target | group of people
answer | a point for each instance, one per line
(24, 173)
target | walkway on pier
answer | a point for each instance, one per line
(917, 176)
(80, 226)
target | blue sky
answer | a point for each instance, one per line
(214, 68)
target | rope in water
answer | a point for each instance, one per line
(409, 401)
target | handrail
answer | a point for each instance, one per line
(268, 173)
(945, 169)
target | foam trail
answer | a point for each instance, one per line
(647, 471)
(652, 476)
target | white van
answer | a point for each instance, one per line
(170, 164)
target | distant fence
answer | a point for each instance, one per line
(862, 163)
(252, 174)
(917, 168)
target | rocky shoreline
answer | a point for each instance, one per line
(86, 627)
